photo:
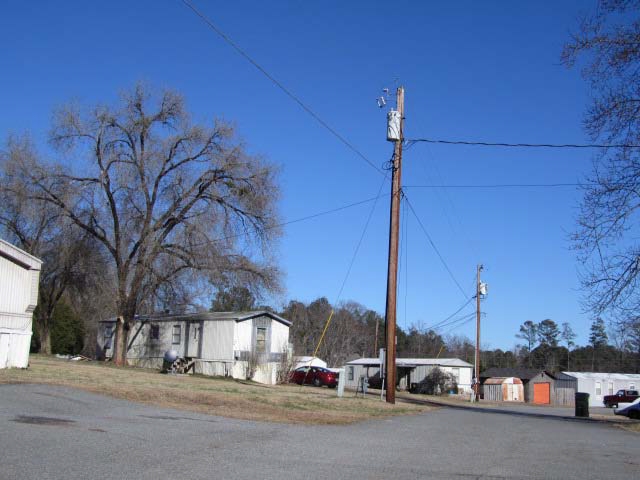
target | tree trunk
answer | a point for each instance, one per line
(120, 343)
(45, 339)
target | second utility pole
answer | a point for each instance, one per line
(392, 276)
(476, 385)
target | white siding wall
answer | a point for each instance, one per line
(18, 299)
(220, 340)
(144, 347)
(217, 340)
(279, 337)
(15, 292)
(466, 376)
(242, 335)
(588, 385)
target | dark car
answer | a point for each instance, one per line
(631, 411)
(621, 396)
(317, 376)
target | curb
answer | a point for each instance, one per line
(613, 420)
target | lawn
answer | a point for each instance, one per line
(214, 396)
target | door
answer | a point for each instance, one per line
(4, 350)
(192, 344)
(542, 393)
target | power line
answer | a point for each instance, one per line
(364, 231)
(456, 322)
(470, 318)
(278, 84)
(435, 248)
(435, 325)
(410, 142)
(297, 220)
(465, 235)
(353, 259)
(508, 185)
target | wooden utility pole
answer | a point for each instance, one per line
(476, 385)
(392, 275)
(375, 341)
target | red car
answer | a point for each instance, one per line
(317, 376)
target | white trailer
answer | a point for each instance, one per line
(598, 384)
(19, 278)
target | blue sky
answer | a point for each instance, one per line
(473, 70)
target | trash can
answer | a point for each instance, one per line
(582, 404)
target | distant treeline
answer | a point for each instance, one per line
(352, 334)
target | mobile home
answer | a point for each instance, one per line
(233, 344)
(19, 278)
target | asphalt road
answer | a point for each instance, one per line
(525, 408)
(58, 433)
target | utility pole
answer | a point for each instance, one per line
(395, 125)
(375, 341)
(479, 287)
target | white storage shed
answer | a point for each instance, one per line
(19, 278)
(597, 384)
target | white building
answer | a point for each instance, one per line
(410, 371)
(597, 385)
(19, 277)
(219, 343)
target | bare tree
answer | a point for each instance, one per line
(164, 197)
(608, 43)
(72, 264)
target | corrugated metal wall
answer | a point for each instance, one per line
(18, 299)
(15, 293)
(492, 392)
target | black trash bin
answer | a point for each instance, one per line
(582, 404)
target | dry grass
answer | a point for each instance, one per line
(214, 396)
(632, 426)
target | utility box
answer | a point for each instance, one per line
(393, 126)
(341, 381)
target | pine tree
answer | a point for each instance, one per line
(568, 335)
(598, 339)
(529, 333)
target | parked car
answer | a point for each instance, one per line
(631, 411)
(621, 396)
(317, 376)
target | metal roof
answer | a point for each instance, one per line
(601, 375)
(207, 316)
(501, 380)
(19, 256)
(521, 373)
(414, 362)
